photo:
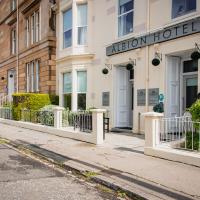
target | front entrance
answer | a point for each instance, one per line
(182, 85)
(190, 90)
(11, 83)
(124, 98)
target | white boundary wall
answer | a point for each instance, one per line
(95, 137)
(153, 148)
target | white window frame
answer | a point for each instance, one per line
(13, 5)
(64, 31)
(35, 26)
(32, 76)
(121, 15)
(13, 41)
(27, 31)
(83, 26)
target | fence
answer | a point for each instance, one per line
(180, 132)
(5, 112)
(176, 139)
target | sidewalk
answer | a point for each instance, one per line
(120, 161)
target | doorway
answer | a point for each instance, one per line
(124, 98)
(11, 83)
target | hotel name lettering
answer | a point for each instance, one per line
(170, 33)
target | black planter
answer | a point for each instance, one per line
(155, 62)
(2, 78)
(105, 71)
(195, 55)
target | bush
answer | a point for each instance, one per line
(195, 138)
(195, 111)
(28, 101)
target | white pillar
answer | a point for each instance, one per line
(152, 129)
(97, 125)
(58, 116)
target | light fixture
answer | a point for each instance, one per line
(196, 54)
(157, 59)
(11, 76)
(131, 65)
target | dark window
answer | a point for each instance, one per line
(131, 74)
(81, 101)
(182, 7)
(67, 101)
(190, 66)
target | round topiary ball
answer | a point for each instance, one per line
(195, 55)
(155, 62)
(105, 71)
(129, 66)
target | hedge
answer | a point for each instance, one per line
(29, 101)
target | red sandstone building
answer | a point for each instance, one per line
(27, 46)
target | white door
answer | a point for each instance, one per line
(123, 98)
(11, 83)
(173, 87)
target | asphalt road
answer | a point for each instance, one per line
(24, 178)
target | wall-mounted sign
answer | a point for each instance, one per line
(153, 96)
(141, 97)
(106, 99)
(168, 33)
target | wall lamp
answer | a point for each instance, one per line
(108, 67)
(196, 54)
(157, 59)
(131, 65)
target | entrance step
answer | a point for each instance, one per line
(121, 130)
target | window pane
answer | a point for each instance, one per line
(67, 38)
(82, 15)
(67, 100)
(67, 20)
(82, 35)
(81, 101)
(67, 83)
(37, 77)
(126, 24)
(181, 7)
(125, 6)
(82, 81)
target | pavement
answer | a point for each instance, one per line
(24, 178)
(119, 163)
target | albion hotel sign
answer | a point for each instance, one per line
(170, 33)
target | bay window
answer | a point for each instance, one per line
(125, 17)
(67, 90)
(81, 89)
(82, 24)
(32, 76)
(67, 28)
(182, 7)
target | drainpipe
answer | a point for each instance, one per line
(147, 55)
(17, 53)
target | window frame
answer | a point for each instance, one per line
(70, 29)
(83, 26)
(13, 41)
(123, 14)
(67, 93)
(13, 5)
(183, 14)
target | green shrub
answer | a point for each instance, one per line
(195, 111)
(196, 141)
(28, 101)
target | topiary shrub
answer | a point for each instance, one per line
(195, 111)
(30, 101)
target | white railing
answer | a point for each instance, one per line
(180, 133)
(5, 99)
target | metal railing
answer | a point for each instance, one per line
(37, 116)
(5, 100)
(78, 120)
(5, 112)
(180, 132)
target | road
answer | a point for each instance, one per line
(24, 178)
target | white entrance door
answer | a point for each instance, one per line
(11, 83)
(123, 108)
(173, 87)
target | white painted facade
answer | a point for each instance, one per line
(102, 31)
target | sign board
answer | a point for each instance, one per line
(153, 96)
(106, 99)
(166, 34)
(141, 97)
